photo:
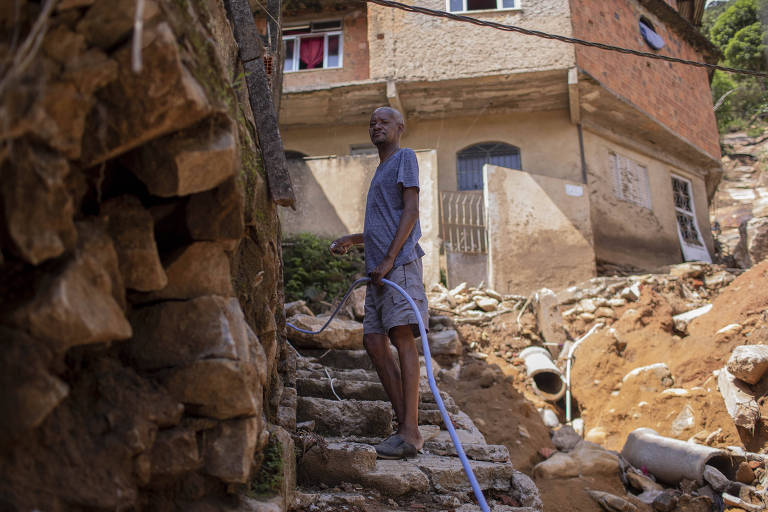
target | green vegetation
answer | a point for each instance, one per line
(736, 27)
(269, 479)
(312, 273)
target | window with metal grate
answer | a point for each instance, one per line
(470, 161)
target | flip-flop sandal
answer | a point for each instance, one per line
(401, 450)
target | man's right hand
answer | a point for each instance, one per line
(340, 246)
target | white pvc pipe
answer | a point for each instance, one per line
(546, 378)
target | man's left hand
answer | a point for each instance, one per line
(380, 272)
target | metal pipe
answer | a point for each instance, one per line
(546, 378)
(671, 460)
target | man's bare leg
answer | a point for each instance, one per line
(377, 346)
(408, 427)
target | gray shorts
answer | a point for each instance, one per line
(386, 308)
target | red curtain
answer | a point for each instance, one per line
(311, 52)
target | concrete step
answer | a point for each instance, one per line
(447, 473)
(483, 452)
(347, 417)
(341, 359)
(337, 462)
(318, 372)
(346, 389)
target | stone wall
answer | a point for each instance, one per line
(142, 355)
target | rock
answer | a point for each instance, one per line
(336, 463)
(718, 279)
(596, 435)
(447, 473)
(487, 303)
(494, 295)
(131, 227)
(524, 491)
(666, 501)
(682, 320)
(559, 465)
(37, 210)
(357, 299)
(288, 458)
(548, 317)
(216, 214)
(727, 333)
(396, 478)
(340, 334)
(739, 400)
(588, 305)
(641, 482)
(81, 302)
(174, 452)
(733, 501)
(458, 290)
(587, 317)
(28, 392)
(565, 438)
(745, 474)
(445, 343)
(593, 460)
(693, 269)
(188, 161)
(651, 378)
(107, 23)
(199, 269)
(683, 421)
(611, 502)
(297, 307)
(549, 418)
(484, 452)
(753, 243)
(467, 306)
(177, 100)
(716, 479)
(604, 312)
(217, 388)
(688, 503)
(617, 303)
(177, 333)
(631, 293)
(348, 417)
(749, 363)
(229, 449)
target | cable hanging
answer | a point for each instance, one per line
(564, 39)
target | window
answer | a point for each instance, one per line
(470, 161)
(648, 32)
(313, 46)
(687, 228)
(630, 181)
(480, 5)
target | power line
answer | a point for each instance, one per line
(564, 39)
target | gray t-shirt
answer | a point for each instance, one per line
(384, 207)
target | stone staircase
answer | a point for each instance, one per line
(342, 411)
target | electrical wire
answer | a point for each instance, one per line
(564, 39)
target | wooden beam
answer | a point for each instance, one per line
(393, 97)
(260, 98)
(573, 95)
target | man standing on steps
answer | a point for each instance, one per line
(392, 251)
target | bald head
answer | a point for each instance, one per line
(387, 125)
(396, 115)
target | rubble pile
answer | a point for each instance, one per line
(739, 211)
(141, 328)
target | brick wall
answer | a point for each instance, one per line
(677, 96)
(355, 48)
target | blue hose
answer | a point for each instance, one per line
(432, 384)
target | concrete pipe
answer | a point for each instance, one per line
(546, 377)
(671, 460)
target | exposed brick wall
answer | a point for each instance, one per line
(355, 48)
(676, 95)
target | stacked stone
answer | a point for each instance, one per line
(135, 223)
(474, 305)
